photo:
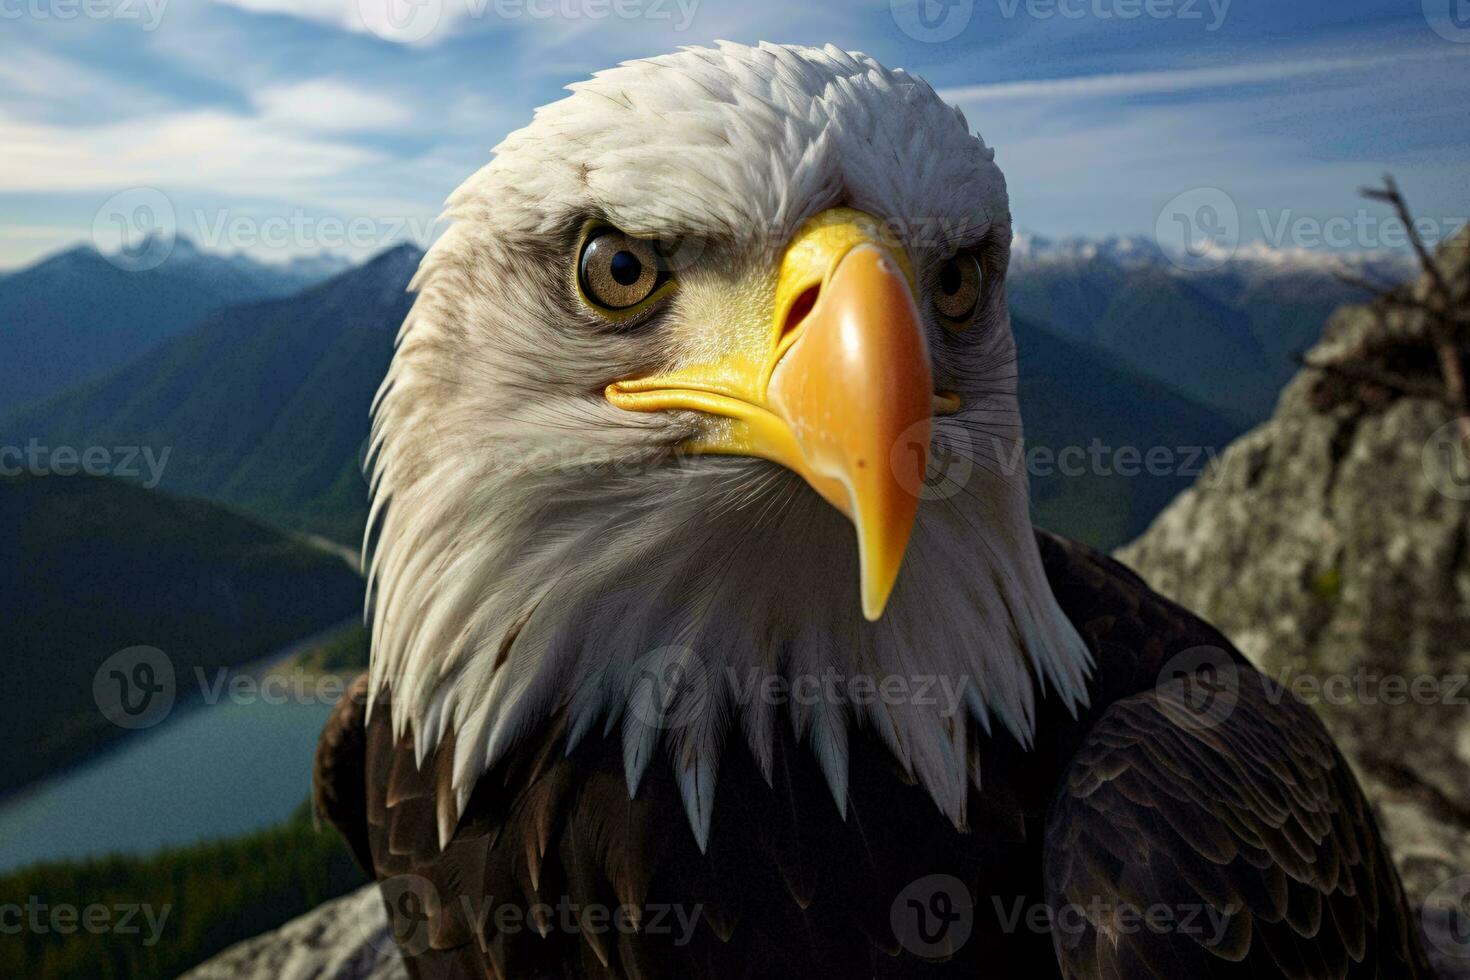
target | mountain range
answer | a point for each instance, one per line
(1227, 336)
(81, 312)
(263, 406)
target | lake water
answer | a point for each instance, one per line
(213, 770)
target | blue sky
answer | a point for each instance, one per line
(285, 126)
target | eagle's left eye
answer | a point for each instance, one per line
(617, 272)
(959, 288)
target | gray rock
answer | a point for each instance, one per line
(1332, 545)
(344, 939)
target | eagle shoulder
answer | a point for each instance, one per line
(1206, 824)
(338, 779)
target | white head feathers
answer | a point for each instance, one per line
(536, 551)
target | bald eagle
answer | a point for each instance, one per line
(710, 634)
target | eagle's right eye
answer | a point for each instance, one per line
(618, 272)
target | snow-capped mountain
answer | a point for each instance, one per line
(1225, 331)
(1030, 249)
(81, 313)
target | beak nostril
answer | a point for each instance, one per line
(800, 308)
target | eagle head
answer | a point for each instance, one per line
(711, 377)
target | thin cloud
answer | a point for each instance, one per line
(329, 106)
(185, 149)
(336, 13)
(1161, 82)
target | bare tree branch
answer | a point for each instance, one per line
(1390, 195)
(1443, 321)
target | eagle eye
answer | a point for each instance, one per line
(617, 272)
(960, 286)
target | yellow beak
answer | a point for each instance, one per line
(839, 389)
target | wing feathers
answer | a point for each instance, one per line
(1253, 816)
